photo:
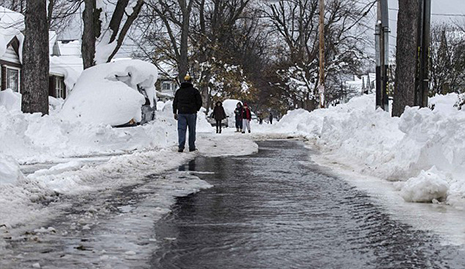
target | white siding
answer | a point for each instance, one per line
(10, 55)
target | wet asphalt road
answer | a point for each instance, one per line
(275, 209)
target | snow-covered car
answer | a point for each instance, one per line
(115, 94)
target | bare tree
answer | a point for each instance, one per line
(34, 74)
(295, 24)
(95, 34)
(220, 38)
(175, 15)
(15, 5)
(406, 47)
(60, 12)
(447, 61)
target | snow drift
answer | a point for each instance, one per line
(401, 149)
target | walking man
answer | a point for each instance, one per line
(187, 101)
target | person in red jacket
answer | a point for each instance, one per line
(246, 118)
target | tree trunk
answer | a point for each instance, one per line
(92, 25)
(406, 56)
(183, 67)
(36, 61)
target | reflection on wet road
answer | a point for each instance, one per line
(274, 210)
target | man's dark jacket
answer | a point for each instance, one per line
(187, 99)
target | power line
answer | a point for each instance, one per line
(438, 14)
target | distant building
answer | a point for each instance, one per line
(167, 83)
(363, 84)
(65, 65)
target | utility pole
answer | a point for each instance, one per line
(382, 54)
(321, 86)
(423, 43)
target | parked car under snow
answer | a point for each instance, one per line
(116, 94)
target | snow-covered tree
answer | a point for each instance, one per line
(294, 25)
(106, 25)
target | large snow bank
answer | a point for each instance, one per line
(10, 100)
(24, 135)
(396, 149)
(108, 93)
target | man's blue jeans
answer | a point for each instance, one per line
(186, 121)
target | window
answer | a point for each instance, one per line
(12, 79)
(60, 87)
(166, 86)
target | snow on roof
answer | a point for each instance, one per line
(70, 48)
(68, 66)
(69, 63)
(11, 25)
(108, 93)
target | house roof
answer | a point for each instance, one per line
(11, 26)
(69, 62)
(70, 48)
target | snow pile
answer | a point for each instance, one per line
(10, 100)
(108, 93)
(301, 122)
(23, 136)
(428, 186)
(10, 171)
(396, 149)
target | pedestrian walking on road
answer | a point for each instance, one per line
(187, 101)
(219, 115)
(238, 116)
(246, 118)
(271, 118)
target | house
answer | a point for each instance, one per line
(363, 84)
(11, 26)
(166, 83)
(65, 64)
